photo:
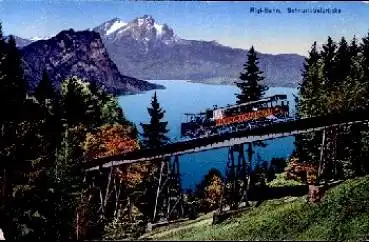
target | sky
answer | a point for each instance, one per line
(229, 23)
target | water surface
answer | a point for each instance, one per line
(181, 97)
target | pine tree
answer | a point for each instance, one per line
(49, 116)
(84, 107)
(154, 136)
(32, 194)
(45, 89)
(50, 112)
(351, 153)
(336, 83)
(155, 133)
(335, 68)
(365, 56)
(365, 64)
(343, 61)
(251, 88)
(13, 85)
(310, 87)
(15, 130)
(310, 104)
(13, 89)
(356, 69)
(354, 47)
(77, 103)
(328, 55)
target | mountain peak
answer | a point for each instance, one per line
(147, 22)
(147, 18)
(143, 29)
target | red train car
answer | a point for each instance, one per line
(238, 116)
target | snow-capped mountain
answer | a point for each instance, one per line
(146, 49)
(143, 29)
(36, 38)
(23, 42)
(110, 27)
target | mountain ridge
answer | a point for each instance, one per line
(78, 53)
(138, 48)
(147, 50)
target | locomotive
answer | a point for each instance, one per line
(236, 117)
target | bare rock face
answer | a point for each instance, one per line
(81, 54)
(148, 50)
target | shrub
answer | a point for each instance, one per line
(301, 171)
(209, 190)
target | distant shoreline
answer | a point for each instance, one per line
(220, 82)
(209, 82)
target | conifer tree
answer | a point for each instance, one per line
(155, 133)
(356, 69)
(354, 142)
(328, 55)
(13, 89)
(3, 163)
(365, 56)
(311, 85)
(250, 84)
(309, 104)
(2, 54)
(154, 136)
(37, 137)
(252, 89)
(365, 65)
(77, 104)
(77, 114)
(15, 129)
(44, 89)
(49, 118)
(14, 86)
(343, 61)
(354, 48)
(338, 82)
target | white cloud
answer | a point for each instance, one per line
(367, 2)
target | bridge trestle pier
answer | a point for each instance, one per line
(331, 154)
(328, 167)
(106, 190)
(109, 197)
(235, 186)
(169, 197)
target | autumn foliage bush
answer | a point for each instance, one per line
(301, 171)
(110, 139)
(212, 192)
(114, 139)
(209, 190)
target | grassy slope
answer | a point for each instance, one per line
(342, 215)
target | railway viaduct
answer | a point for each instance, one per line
(104, 168)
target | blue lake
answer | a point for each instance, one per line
(181, 97)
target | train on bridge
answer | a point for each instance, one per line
(236, 117)
(232, 118)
